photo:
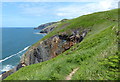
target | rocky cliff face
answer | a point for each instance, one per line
(51, 47)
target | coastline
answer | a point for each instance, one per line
(8, 69)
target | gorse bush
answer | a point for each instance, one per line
(112, 63)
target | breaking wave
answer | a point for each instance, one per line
(14, 54)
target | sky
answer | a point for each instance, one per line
(32, 14)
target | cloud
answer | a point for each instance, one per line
(108, 4)
(66, 11)
(32, 9)
(78, 10)
(70, 11)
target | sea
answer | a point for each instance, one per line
(15, 42)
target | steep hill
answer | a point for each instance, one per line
(84, 48)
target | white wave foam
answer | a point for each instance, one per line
(43, 34)
(14, 54)
(37, 33)
(7, 68)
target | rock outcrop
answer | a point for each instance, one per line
(52, 26)
(45, 25)
(52, 47)
(49, 28)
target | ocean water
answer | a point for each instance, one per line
(15, 42)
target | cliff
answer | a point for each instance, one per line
(88, 42)
(49, 28)
(44, 25)
(52, 47)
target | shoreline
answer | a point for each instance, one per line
(5, 74)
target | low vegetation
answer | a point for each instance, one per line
(97, 56)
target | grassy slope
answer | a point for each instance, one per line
(96, 55)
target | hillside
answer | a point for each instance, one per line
(95, 57)
(44, 25)
(50, 26)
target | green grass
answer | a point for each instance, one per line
(96, 56)
(92, 21)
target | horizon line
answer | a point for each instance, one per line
(16, 26)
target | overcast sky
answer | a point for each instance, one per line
(32, 14)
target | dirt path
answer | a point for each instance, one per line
(113, 27)
(71, 74)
